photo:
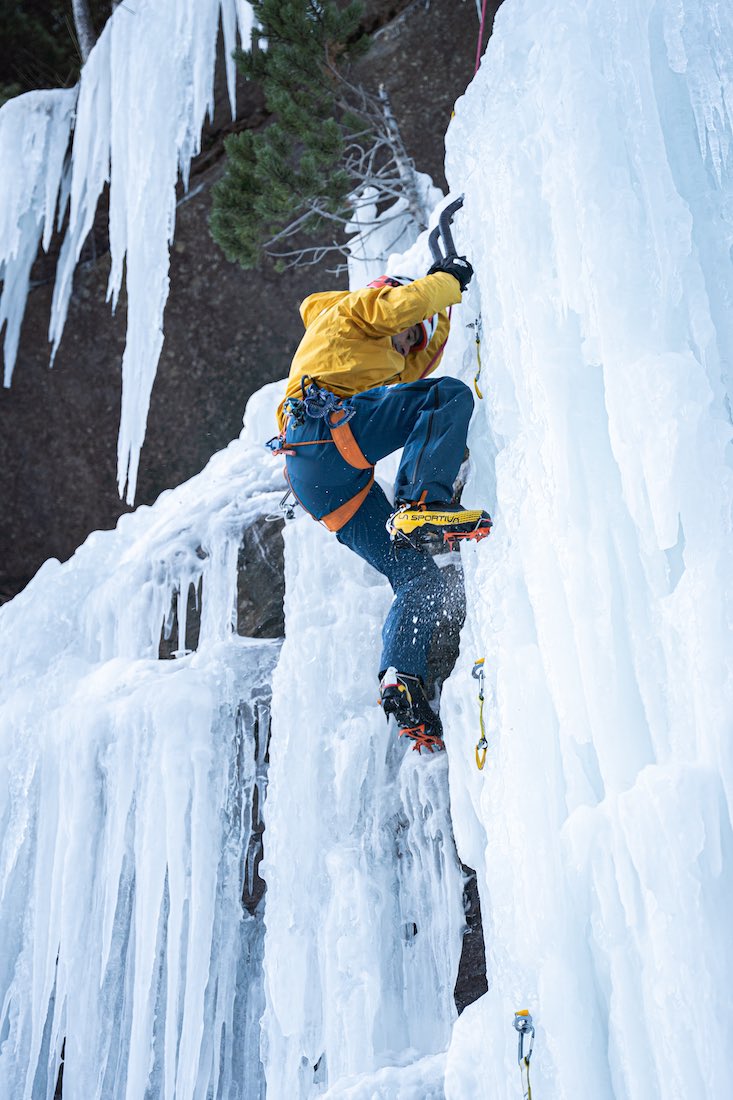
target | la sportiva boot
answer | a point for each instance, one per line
(420, 525)
(404, 697)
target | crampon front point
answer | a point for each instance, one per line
(421, 740)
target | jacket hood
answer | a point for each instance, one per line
(315, 304)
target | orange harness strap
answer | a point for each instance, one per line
(352, 453)
(347, 446)
(343, 437)
(340, 516)
(337, 519)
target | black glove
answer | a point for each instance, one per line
(457, 266)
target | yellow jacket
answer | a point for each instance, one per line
(347, 347)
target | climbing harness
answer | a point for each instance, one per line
(524, 1026)
(321, 404)
(318, 404)
(482, 744)
(477, 326)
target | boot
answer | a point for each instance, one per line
(420, 524)
(403, 696)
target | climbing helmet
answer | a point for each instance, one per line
(428, 326)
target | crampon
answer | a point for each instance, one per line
(426, 528)
(429, 539)
(422, 740)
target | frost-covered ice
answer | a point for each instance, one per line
(598, 196)
(594, 151)
(126, 804)
(364, 912)
(137, 123)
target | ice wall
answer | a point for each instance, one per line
(137, 125)
(127, 804)
(594, 153)
(127, 807)
(594, 148)
(364, 912)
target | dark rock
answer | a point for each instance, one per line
(260, 592)
(261, 581)
(471, 982)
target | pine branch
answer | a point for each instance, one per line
(332, 149)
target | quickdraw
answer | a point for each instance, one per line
(278, 446)
(477, 325)
(524, 1026)
(318, 403)
(482, 744)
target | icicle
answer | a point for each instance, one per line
(127, 787)
(34, 136)
(138, 122)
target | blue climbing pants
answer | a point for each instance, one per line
(429, 420)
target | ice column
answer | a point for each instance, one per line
(364, 911)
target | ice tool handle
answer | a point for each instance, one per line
(442, 229)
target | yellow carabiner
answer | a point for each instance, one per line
(478, 325)
(524, 1027)
(482, 744)
(477, 375)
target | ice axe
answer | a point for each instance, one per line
(442, 229)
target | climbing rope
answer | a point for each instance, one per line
(524, 1026)
(480, 35)
(477, 323)
(482, 744)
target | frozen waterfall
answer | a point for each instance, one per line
(594, 151)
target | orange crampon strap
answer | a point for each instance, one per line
(423, 740)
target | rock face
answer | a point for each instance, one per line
(227, 332)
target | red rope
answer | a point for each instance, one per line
(480, 37)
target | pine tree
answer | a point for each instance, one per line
(329, 142)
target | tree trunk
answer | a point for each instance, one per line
(84, 29)
(405, 165)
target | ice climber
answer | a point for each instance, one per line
(359, 390)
